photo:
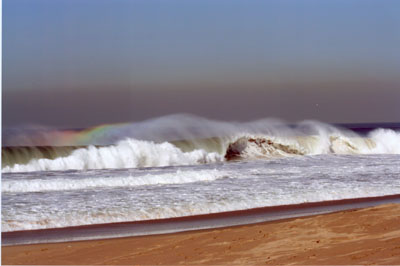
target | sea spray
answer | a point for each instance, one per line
(128, 153)
(187, 139)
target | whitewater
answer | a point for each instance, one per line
(179, 166)
(133, 153)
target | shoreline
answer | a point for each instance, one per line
(189, 223)
(361, 236)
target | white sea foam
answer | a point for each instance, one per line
(40, 200)
(128, 153)
(63, 184)
(132, 153)
(61, 219)
(387, 141)
(381, 141)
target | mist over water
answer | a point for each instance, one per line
(165, 128)
(187, 140)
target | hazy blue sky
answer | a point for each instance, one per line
(75, 63)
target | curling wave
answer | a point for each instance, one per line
(308, 138)
(380, 141)
(128, 153)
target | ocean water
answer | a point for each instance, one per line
(181, 166)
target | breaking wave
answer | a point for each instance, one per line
(128, 153)
(199, 141)
(380, 141)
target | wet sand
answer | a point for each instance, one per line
(363, 236)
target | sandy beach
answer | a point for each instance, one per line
(362, 236)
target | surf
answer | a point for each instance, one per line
(189, 140)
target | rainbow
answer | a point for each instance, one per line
(96, 135)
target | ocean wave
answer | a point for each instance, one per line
(128, 153)
(380, 141)
(133, 153)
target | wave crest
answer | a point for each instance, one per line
(380, 141)
(133, 153)
(128, 153)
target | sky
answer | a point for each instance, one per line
(79, 63)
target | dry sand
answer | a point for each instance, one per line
(364, 236)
